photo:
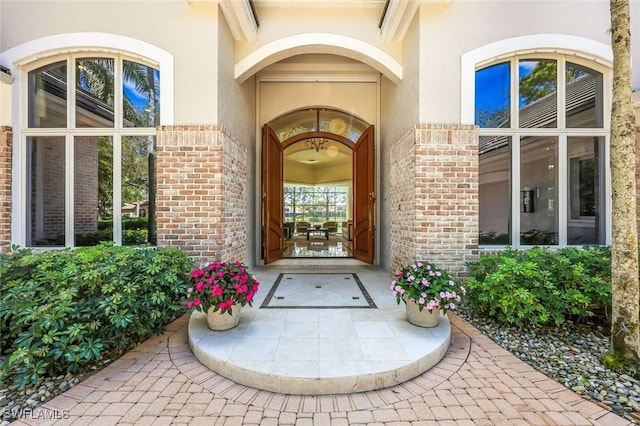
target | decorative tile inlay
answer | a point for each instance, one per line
(318, 291)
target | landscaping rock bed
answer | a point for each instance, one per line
(571, 356)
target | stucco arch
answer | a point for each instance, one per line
(318, 43)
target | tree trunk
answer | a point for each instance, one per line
(625, 337)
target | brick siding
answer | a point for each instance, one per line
(201, 192)
(6, 149)
(434, 197)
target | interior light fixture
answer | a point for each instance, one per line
(317, 144)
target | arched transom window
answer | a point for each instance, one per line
(89, 135)
(543, 151)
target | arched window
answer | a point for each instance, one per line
(543, 151)
(89, 135)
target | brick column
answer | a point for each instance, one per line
(6, 153)
(434, 197)
(201, 192)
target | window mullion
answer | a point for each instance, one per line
(562, 94)
(515, 94)
(563, 192)
(69, 150)
(515, 191)
(117, 186)
(117, 150)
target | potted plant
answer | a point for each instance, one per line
(220, 289)
(426, 290)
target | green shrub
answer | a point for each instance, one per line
(63, 310)
(540, 286)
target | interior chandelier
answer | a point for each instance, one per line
(317, 144)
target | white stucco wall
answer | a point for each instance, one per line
(449, 31)
(187, 31)
(357, 22)
(398, 114)
(236, 113)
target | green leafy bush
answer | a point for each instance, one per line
(62, 311)
(541, 286)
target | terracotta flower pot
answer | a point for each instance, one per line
(424, 318)
(219, 321)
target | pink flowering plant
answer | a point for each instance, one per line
(428, 286)
(220, 285)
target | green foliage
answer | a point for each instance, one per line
(61, 311)
(540, 286)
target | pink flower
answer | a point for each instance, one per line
(226, 304)
(199, 286)
(196, 301)
(197, 273)
(220, 274)
(217, 291)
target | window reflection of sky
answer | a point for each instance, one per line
(139, 100)
(492, 89)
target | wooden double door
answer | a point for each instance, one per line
(363, 192)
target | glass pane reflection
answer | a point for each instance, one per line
(538, 190)
(94, 92)
(141, 95)
(584, 97)
(138, 215)
(93, 190)
(47, 191)
(493, 96)
(48, 96)
(495, 190)
(538, 93)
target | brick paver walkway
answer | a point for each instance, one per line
(477, 383)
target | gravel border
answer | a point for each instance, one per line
(570, 355)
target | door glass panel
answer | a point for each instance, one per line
(295, 123)
(94, 92)
(141, 95)
(586, 180)
(495, 190)
(493, 96)
(93, 190)
(538, 93)
(137, 214)
(342, 124)
(538, 190)
(584, 105)
(46, 191)
(48, 96)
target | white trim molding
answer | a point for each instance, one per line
(537, 43)
(44, 47)
(318, 43)
(240, 18)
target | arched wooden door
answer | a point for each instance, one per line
(364, 197)
(273, 200)
(272, 196)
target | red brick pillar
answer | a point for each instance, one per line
(201, 199)
(6, 153)
(434, 196)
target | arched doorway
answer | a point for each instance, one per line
(317, 127)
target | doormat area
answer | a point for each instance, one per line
(318, 291)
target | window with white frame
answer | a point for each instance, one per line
(90, 143)
(542, 151)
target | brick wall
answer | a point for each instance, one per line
(401, 161)
(201, 192)
(85, 181)
(434, 197)
(6, 144)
